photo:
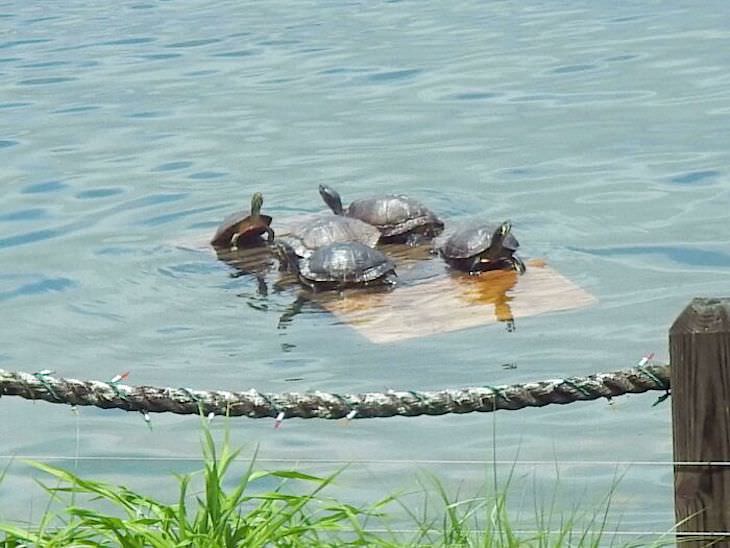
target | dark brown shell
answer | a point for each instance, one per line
(395, 214)
(474, 240)
(241, 223)
(352, 262)
(329, 229)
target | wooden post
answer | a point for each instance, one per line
(699, 350)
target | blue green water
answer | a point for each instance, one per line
(129, 127)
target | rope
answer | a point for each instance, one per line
(322, 405)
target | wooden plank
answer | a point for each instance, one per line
(454, 301)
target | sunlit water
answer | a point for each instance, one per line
(130, 127)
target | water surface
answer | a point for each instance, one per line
(601, 132)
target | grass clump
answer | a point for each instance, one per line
(211, 515)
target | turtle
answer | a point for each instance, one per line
(244, 227)
(329, 229)
(339, 265)
(398, 217)
(482, 246)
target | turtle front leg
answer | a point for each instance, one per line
(475, 265)
(519, 265)
(234, 241)
(269, 234)
(414, 239)
(391, 278)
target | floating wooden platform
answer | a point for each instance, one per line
(431, 298)
(456, 301)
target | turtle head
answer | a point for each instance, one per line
(332, 198)
(503, 247)
(504, 239)
(499, 235)
(287, 256)
(257, 200)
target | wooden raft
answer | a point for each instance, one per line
(456, 301)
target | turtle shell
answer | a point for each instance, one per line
(349, 263)
(472, 240)
(241, 223)
(330, 229)
(395, 214)
(475, 248)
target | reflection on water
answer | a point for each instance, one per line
(425, 284)
(258, 263)
(255, 261)
(492, 288)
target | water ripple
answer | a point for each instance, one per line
(234, 54)
(46, 64)
(180, 214)
(473, 96)
(572, 68)
(29, 237)
(96, 193)
(15, 104)
(33, 214)
(160, 56)
(194, 43)
(15, 43)
(688, 256)
(129, 41)
(44, 187)
(393, 75)
(149, 114)
(46, 81)
(77, 110)
(694, 177)
(206, 175)
(151, 200)
(39, 287)
(173, 166)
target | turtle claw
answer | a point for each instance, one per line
(519, 265)
(413, 239)
(390, 278)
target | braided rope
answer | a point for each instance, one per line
(253, 404)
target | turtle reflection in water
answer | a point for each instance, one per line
(250, 261)
(482, 246)
(491, 288)
(244, 228)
